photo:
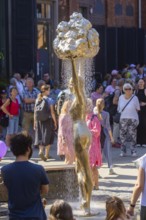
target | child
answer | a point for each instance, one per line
(61, 210)
(65, 134)
(105, 123)
(115, 209)
(95, 156)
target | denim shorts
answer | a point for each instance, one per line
(13, 125)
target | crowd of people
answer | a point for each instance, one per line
(115, 116)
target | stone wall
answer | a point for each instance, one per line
(62, 185)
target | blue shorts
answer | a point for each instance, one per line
(13, 125)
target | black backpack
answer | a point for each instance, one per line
(42, 110)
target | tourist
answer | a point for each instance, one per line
(3, 98)
(128, 106)
(139, 189)
(97, 94)
(29, 96)
(107, 80)
(65, 134)
(48, 81)
(141, 94)
(95, 156)
(40, 84)
(114, 74)
(64, 95)
(25, 181)
(46, 125)
(19, 84)
(55, 92)
(115, 209)
(133, 72)
(108, 140)
(11, 109)
(61, 210)
(111, 88)
(117, 93)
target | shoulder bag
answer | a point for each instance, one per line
(117, 116)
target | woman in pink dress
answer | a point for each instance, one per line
(65, 134)
(95, 156)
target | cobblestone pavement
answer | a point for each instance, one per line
(120, 185)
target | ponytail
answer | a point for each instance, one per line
(40, 97)
(99, 112)
(43, 89)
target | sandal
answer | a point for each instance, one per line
(41, 155)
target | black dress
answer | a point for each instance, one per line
(141, 130)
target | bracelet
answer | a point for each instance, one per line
(133, 206)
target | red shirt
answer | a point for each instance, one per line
(13, 108)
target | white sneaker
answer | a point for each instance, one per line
(122, 154)
(144, 145)
(134, 154)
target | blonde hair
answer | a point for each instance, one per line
(100, 107)
(65, 106)
(115, 208)
(43, 89)
(89, 105)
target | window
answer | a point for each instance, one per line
(83, 11)
(43, 10)
(99, 7)
(42, 36)
(129, 10)
(118, 9)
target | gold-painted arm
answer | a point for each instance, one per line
(77, 86)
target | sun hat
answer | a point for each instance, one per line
(114, 72)
(132, 65)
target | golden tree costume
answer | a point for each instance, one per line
(77, 39)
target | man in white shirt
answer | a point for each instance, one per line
(133, 72)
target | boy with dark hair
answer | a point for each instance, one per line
(25, 182)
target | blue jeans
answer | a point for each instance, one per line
(13, 125)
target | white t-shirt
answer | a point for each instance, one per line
(143, 197)
(130, 112)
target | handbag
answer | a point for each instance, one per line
(117, 116)
(4, 121)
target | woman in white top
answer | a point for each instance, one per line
(140, 188)
(129, 119)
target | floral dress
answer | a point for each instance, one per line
(65, 137)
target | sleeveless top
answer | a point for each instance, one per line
(13, 107)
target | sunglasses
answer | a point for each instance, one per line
(128, 89)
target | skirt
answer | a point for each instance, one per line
(45, 132)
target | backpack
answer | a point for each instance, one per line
(42, 110)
